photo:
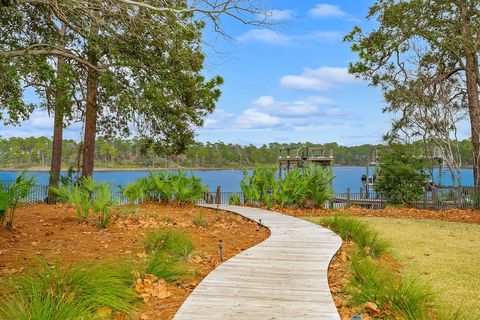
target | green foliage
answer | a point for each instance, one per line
(200, 221)
(167, 251)
(165, 266)
(177, 188)
(10, 197)
(401, 176)
(135, 192)
(76, 292)
(89, 198)
(234, 200)
(373, 282)
(367, 239)
(304, 188)
(102, 204)
(173, 242)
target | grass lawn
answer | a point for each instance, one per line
(446, 255)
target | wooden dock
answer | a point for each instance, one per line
(284, 277)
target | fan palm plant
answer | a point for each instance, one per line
(10, 197)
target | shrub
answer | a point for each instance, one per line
(10, 197)
(135, 192)
(77, 292)
(102, 204)
(200, 221)
(167, 187)
(164, 266)
(373, 282)
(306, 187)
(367, 239)
(401, 175)
(234, 200)
(173, 242)
(88, 196)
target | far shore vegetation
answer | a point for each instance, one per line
(35, 154)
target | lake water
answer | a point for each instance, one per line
(229, 180)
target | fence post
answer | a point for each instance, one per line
(218, 196)
(435, 198)
(348, 198)
(425, 194)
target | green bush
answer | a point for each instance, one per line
(77, 292)
(88, 197)
(166, 187)
(367, 239)
(307, 187)
(10, 197)
(401, 176)
(135, 192)
(173, 242)
(234, 200)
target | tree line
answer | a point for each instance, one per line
(32, 152)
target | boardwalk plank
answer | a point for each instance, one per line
(284, 277)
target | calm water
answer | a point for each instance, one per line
(229, 180)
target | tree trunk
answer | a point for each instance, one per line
(56, 163)
(90, 123)
(471, 71)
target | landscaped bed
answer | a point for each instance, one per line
(50, 236)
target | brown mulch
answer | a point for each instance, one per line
(52, 233)
(452, 215)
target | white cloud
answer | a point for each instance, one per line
(263, 35)
(279, 15)
(273, 37)
(254, 119)
(321, 79)
(325, 10)
(266, 112)
(264, 101)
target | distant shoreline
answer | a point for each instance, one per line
(101, 169)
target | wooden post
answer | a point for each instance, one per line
(435, 198)
(348, 198)
(425, 199)
(218, 196)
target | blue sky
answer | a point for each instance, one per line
(287, 83)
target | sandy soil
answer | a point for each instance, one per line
(52, 232)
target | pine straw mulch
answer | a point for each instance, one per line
(52, 233)
(452, 215)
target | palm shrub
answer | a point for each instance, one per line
(102, 204)
(76, 292)
(160, 185)
(310, 186)
(135, 192)
(11, 196)
(187, 189)
(167, 187)
(88, 197)
(234, 200)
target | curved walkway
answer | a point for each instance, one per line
(284, 277)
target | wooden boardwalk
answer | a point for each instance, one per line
(284, 277)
